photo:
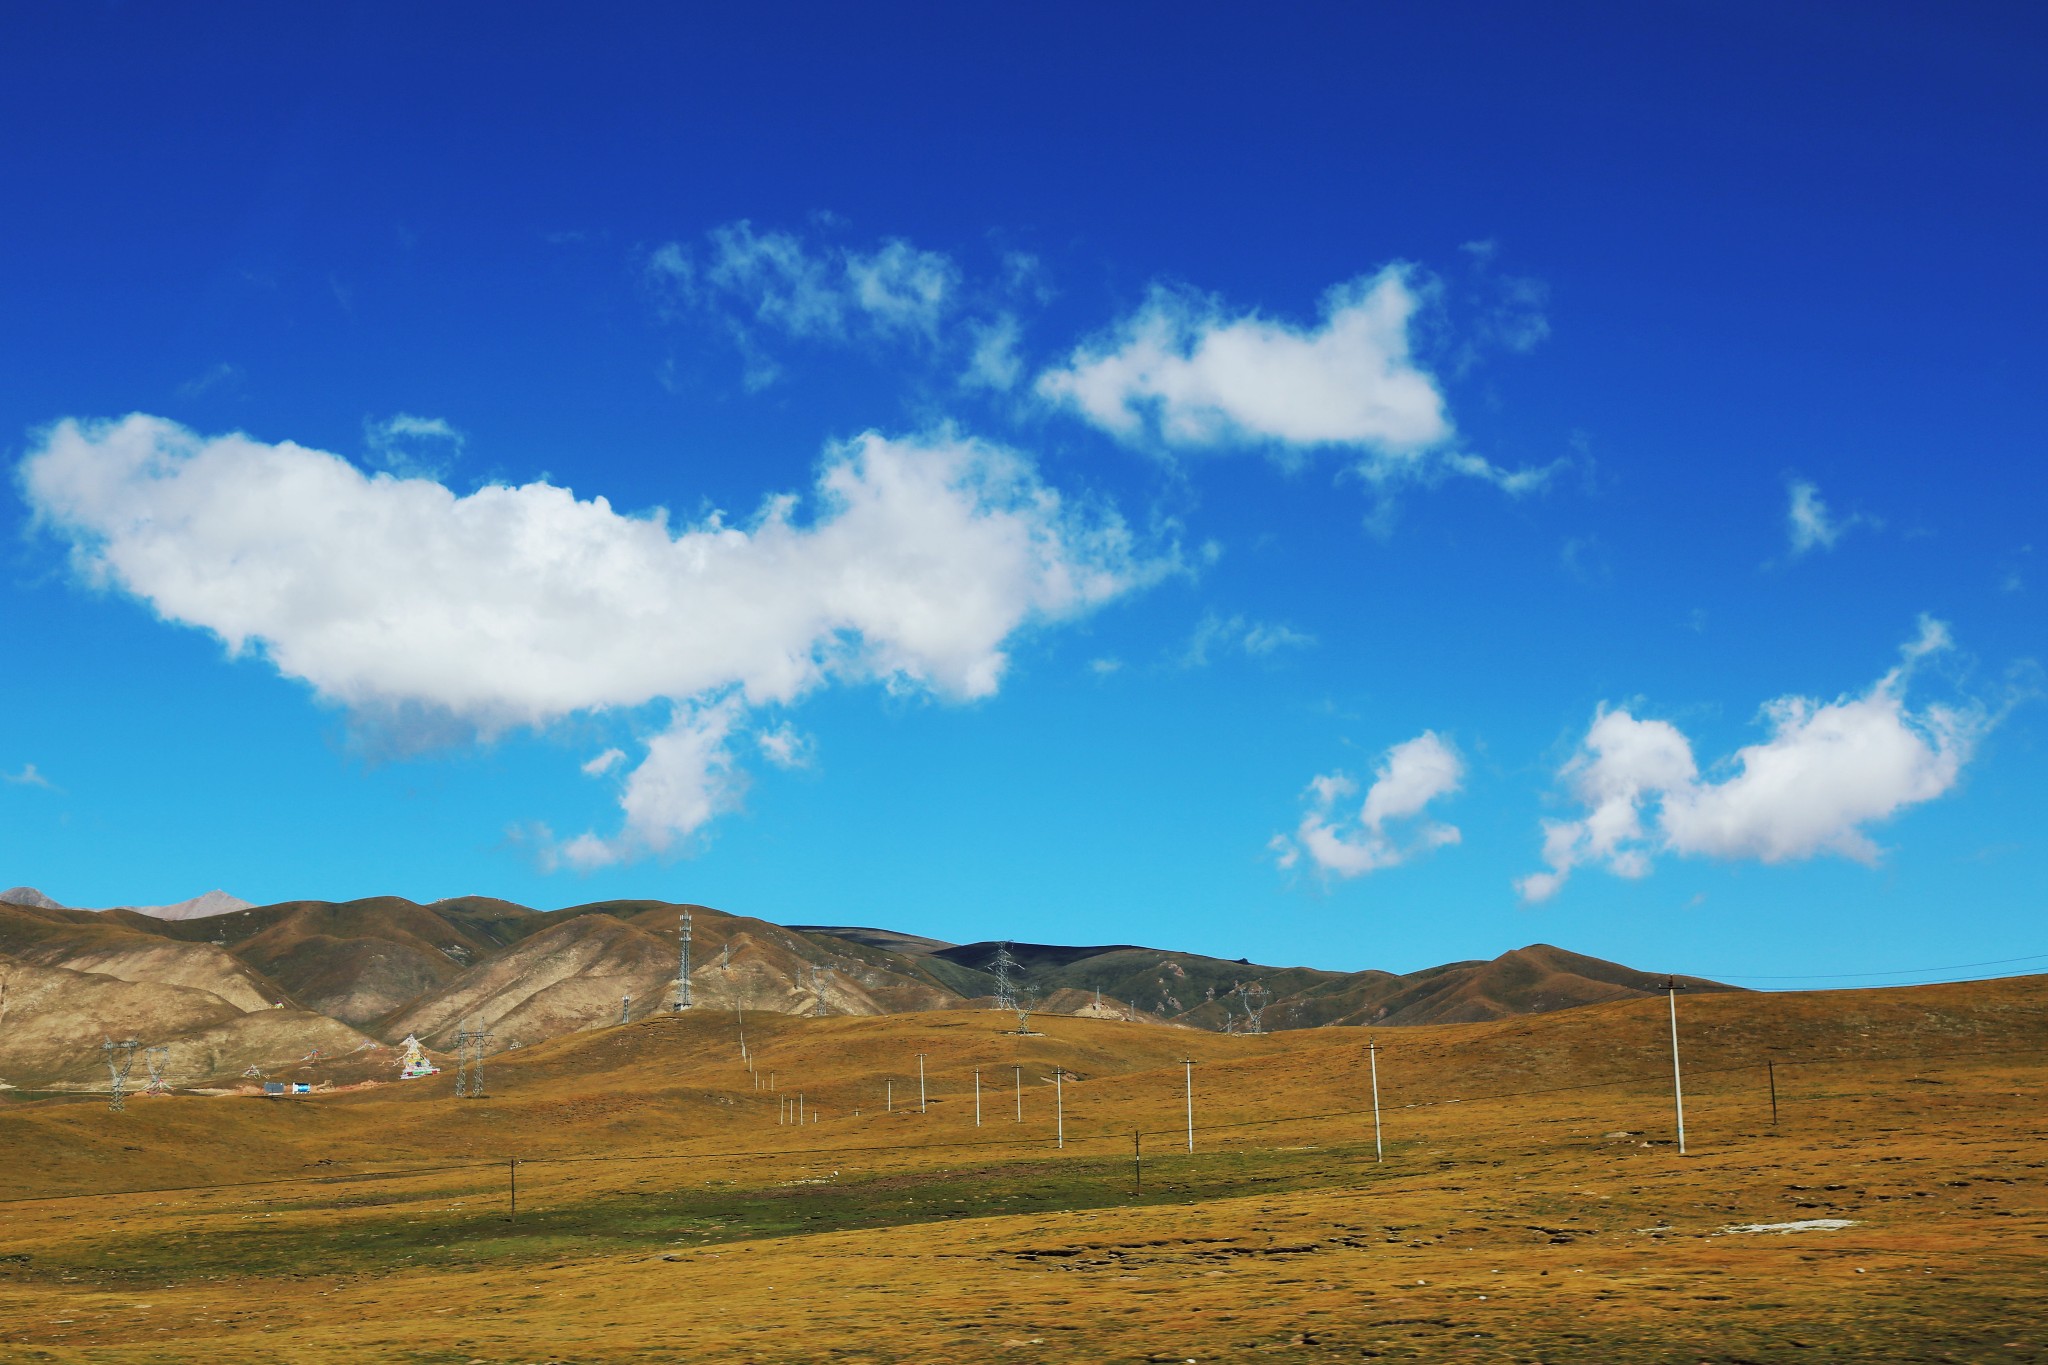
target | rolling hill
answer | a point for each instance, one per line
(270, 987)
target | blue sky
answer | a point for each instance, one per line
(1355, 486)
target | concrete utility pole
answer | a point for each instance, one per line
(1677, 1082)
(977, 1097)
(1372, 1050)
(920, 1082)
(1059, 1108)
(1188, 1066)
(888, 1097)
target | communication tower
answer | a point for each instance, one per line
(683, 962)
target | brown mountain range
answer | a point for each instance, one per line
(323, 990)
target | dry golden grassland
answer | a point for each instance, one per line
(1530, 1207)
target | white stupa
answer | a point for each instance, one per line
(414, 1064)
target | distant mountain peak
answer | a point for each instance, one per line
(199, 907)
(29, 896)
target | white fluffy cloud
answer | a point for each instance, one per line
(685, 780)
(1183, 372)
(1409, 777)
(919, 560)
(1827, 770)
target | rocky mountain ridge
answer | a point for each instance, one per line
(325, 989)
(215, 902)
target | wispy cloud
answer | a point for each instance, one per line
(784, 746)
(1811, 525)
(29, 776)
(765, 288)
(1504, 312)
(405, 444)
(1215, 633)
(221, 377)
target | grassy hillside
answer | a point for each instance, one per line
(1532, 1203)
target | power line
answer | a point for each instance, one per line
(1645, 1081)
(1853, 976)
(1648, 1080)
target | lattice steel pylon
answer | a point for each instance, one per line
(1022, 999)
(818, 990)
(469, 1063)
(1255, 1000)
(120, 1056)
(158, 1060)
(1000, 966)
(682, 1001)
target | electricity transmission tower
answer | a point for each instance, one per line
(1254, 1000)
(818, 990)
(683, 962)
(625, 1008)
(1021, 1000)
(158, 1060)
(1001, 965)
(120, 1056)
(469, 1063)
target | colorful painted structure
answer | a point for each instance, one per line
(413, 1063)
